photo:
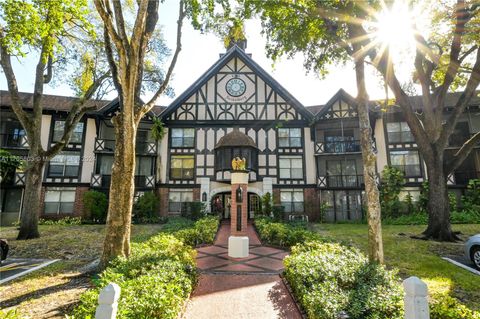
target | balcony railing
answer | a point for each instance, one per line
(141, 147)
(462, 177)
(341, 181)
(338, 147)
(13, 140)
(457, 140)
(409, 170)
(141, 181)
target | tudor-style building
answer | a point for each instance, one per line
(301, 155)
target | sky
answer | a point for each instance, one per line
(200, 51)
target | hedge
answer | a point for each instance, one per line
(159, 275)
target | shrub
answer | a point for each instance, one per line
(95, 206)
(146, 207)
(158, 276)
(446, 307)
(391, 184)
(267, 204)
(283, 234)
(278, 212)
(194, 210)
(456, 217)
(328, 278)
(64, 221)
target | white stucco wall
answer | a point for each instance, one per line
(382, 159)
(88, 161)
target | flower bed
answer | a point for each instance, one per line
(159, 275)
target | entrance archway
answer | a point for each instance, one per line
(220, 204)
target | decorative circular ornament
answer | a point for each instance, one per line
(235, 87)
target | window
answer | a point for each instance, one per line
(178, 199)
(343, 173)
(143, 166)
(406, 161)
(181, 166)
(12, 200)
(399, 132)
(291, 167)
(183, 137)
(338, 141)
(65, 164)
(77, 133)
(104, 164)
(289, 137)
(292, 201)
(59, 200)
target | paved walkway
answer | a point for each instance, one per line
(240, 288)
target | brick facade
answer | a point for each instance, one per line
(196, 194)
(244, 211)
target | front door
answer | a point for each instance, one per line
(221, 204)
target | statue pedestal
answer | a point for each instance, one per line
(238, 246)
(238, 242)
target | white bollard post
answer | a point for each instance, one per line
(416, 302)
(107, 302)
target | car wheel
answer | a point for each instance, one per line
(476, 257)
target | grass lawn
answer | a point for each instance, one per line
(413, 257)
(52, 291)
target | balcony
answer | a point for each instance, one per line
(341, 181)
(462, 177)
(13, 141)
(337, 147)
(103, 181)
(141, 148)
(457, 140)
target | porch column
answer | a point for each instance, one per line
(238, 241)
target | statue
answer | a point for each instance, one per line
(239, 164)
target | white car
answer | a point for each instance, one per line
(472, 250)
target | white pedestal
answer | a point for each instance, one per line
(238, 246)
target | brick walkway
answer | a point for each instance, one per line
(240, 288)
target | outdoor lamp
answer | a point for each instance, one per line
(239, 194)
(204, 197)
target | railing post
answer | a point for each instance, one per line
(108, 302)
(416, 302)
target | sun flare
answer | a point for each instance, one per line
(394, 26)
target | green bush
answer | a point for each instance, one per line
(284, 234)
(95, 206)
(391, 184)
(11, 314)
(267, 204)
(328, 278)
(194, 210)
(146, 207)
(278, 212)
(446, 307)
(158, 276)
(456, 217)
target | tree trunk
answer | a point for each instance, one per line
(32, 198)
(439, 227)
(122, 188)
(375, 242)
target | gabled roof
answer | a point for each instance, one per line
(340, 95)
(113, 105)
(233, 52)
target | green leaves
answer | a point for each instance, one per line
(39, 24)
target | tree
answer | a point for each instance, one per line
(304, 27)
(44, 27)
(328, 31)
(126, 55)
(8, 164)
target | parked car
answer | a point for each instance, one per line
(472, 250)
(3, 250)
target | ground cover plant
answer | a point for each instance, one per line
(159, 275)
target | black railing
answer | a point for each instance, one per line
(463, 177)
(340, 181)
(13, 140)
(140, 181)
(342, 146)
(141, 147)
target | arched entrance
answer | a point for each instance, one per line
(220, 204)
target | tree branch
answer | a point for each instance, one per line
(48, 77)
(106, 16)
(120, 22)
(148, 106)
(111, 61)
(5, 60)
(76, 113)
(462, 153)
(462, 102)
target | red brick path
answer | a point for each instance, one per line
(240, 288)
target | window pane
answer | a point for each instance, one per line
(282, 132)
(393, 127)
(284, 173)
(188, 141)
(298, 196)
(51, 208)
(188, 163)
(176, 162)
(177, 141)
(174, 196)
(283, 142)
(297, 163)
(13, 199)
(297, 173)
(189, 132)
(67, 196)
(284, 163)
(285, 196)
(295, 132)
(187, 197)
(177, 132)
(66, 208)
(55, 170)
(296, 142)
(176, 173)
(71, 170)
